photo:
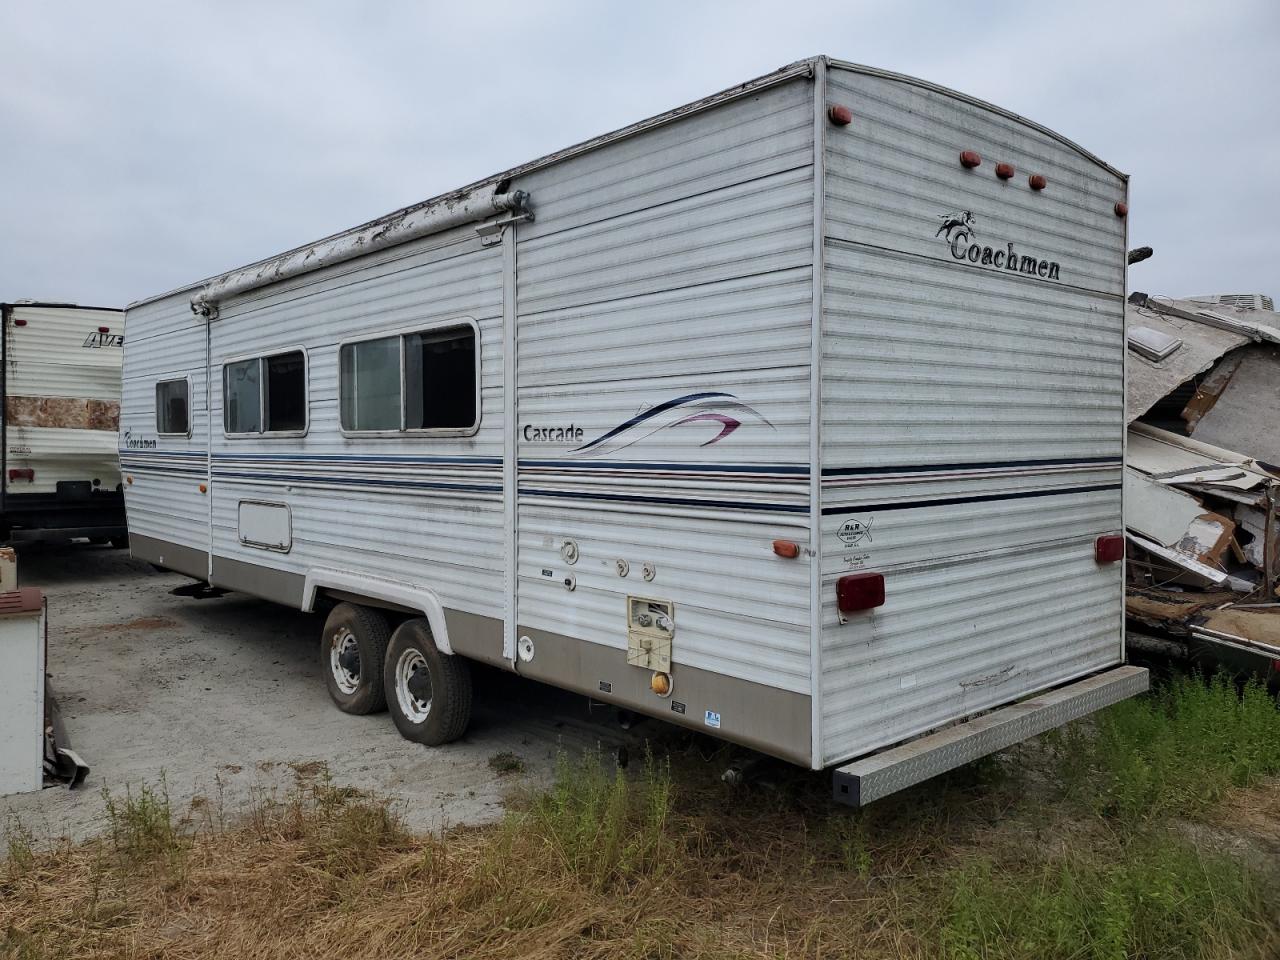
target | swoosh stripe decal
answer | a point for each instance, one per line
(650, 413)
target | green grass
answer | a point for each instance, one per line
(142, 829)
(20, 844)
(1176, 751)
(1151, 897)
(600, 826)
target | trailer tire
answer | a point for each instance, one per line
(353, 647)
(413, 658)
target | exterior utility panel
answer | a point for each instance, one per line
(627, 369)
(61, 395)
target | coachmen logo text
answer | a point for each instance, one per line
(958, 231)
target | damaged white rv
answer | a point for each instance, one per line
(744, 416)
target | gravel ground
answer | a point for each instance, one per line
(225, 699)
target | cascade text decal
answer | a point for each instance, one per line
(722, 412)
(958, 230)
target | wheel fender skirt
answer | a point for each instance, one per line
(410, 595)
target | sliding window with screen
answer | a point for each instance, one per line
(425, 382)
(265, 396)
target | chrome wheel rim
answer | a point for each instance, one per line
(344, 642)
(410, 663)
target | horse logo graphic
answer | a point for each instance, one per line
(956, 225)
(722, 410)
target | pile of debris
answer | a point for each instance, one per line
(1202, 480)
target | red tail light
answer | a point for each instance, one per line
(1109, 548)
(22, 473)
(860, 591)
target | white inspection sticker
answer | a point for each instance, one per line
(713, 719)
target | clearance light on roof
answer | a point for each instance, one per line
(840, 115)
(1122, 209)
(1109, 548)
(1005, 171)
(860, 591)
(969, 159)
(1037, 181)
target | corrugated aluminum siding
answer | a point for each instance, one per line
(972, 417)
(663, 269)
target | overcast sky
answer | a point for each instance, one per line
(145, 146)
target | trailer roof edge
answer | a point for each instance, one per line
(978, 102)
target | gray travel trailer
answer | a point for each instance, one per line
(794, 415)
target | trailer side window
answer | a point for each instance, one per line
(265, 395)
(416, 381)
(173, 398)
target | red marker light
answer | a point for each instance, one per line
(840, 115)
(19, 322)
(1108, 548)
(860, 591)
(1005, 171)
(1037, 181)
(969, 159)
(787, 549)
(104, 329)
(1122, 209)
(22, 473)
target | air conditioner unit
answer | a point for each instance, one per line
(1242, 301)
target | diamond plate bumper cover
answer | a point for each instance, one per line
(870, 778)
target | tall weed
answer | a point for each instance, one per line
(1175, 751)
(1157, 898)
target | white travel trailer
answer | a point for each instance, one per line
(794, 415)
(60, 384)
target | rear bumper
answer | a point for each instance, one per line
(870, 778)
(47, 516)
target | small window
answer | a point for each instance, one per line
(417, 381)
(173, 399)
(265, 395)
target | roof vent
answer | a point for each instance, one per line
(1152, 344)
